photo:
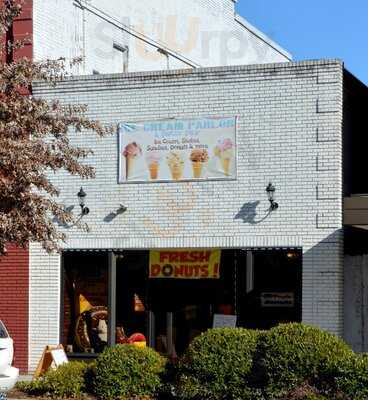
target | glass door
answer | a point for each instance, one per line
(131, 295)
(184, 308)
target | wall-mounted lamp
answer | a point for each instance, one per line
(82, 198)
(270, 189)
(121, 209)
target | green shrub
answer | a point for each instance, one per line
(217, 365)
(291, 354)
(125, 372)
(352, 378)
(35, 387)
(89, 377)
(68, 380)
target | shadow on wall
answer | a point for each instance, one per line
(248, 213)
(110, 217)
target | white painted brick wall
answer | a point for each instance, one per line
(278, 119)
(203, 31)
(44, 301)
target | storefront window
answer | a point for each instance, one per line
(168, 304)
(85, 312)
(184, 308)
(131, 295)
(274, 295)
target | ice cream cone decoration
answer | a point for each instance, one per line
(176, 165)
(153, 159)
(225, 162)
(153, 170)
(199, 158)
(130, 160)
(131, 152)
(224, 151)
(176, 172)
(197, 169)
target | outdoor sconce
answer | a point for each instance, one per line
(82, 197)
(121, 209)
(270, 189)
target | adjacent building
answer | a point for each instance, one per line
(114, 36)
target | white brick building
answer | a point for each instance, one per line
(292, 126)
(119, 36)
(114, 37)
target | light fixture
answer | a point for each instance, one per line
(82, 197)
(291, 255)
(121, 209)
(270, 189)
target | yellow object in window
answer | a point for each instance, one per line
(84, 304)
(138, 304)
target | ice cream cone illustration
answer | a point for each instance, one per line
(225, 162)
(224, 151)
(131, 152)
(197, 169)
(176, 165)
(153, 159)
(153, 170)
(199, 158)
(129, 165)
(176, 172)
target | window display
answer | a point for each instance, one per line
(150, 306)
(85, 302)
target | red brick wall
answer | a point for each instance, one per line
(14, 284)
(14, 267)
(23, 29)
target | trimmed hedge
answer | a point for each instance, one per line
(218, 365)
(288, 362)
(66, 381)
(126, 372)
(352, 379)
(292, 354)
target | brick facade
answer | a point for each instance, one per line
(14, 281)
(56, 28)
(289, 132)
(23, 30)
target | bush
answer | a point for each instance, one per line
(125, 372)
(217, 365)
(68, 380)
(352, 379)
(292, 354)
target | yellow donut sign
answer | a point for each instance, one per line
(185, 264)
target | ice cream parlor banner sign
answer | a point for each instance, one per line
(185, 264)
(177, 149)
